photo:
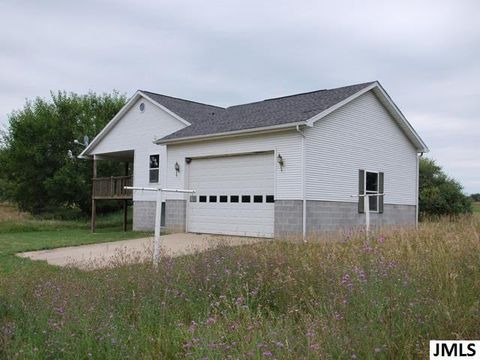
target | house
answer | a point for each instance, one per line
(278, 167)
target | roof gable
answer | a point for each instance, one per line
(168, 104)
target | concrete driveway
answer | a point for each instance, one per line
(131, 251)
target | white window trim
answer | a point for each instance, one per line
(372, 192)
(149, 168)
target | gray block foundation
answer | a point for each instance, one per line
(322, 216)
(325, 216)
(288, 218)
(330, 216)
(144, 215)
(175, 215)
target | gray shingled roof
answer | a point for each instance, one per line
(191, 111)
(210, 120)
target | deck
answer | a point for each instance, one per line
(112, 188)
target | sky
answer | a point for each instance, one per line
(424, 53)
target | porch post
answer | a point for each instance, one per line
(94, 209)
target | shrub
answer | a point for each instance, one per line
(440, 195)
(475, 197)
(37, 172)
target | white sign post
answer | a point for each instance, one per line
(158, 215)
(366, 209)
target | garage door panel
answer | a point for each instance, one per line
(234, 175)
(231, 217)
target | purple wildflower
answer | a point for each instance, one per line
(192, 327)
(210, 321)
(240, 300)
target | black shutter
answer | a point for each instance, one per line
(380, 190)
(361, 191)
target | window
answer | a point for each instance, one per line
(154, 168)
(213, 198)
(371, 187)
(269, 199)
(202, 198)
(223, 198)
(193, 198)
(245, 198)
(234, 198)
(258, 198)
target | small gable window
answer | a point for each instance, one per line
(154, 168)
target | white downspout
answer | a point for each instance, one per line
(417, 192)
(304, 195)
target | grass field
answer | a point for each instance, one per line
(476, 207)
(385, 298)
(21, 232)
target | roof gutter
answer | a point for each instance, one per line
(260, 130)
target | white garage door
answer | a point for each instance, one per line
(234, 195)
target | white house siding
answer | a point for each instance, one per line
(137, 131)
(360, 135)
(286, 143)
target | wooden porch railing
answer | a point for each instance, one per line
(112, 187)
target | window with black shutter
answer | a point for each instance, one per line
(370, 183)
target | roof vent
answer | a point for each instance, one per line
(142, 107)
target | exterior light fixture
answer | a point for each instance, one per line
(177, 168)
(280, 161)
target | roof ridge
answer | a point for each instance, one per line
(177, 98)
(302, 93)
(315, 91)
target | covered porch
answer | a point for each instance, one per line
(112, 187)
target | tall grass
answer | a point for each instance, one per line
(350, 299)
(476, 207)
(8, 212)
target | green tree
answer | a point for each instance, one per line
(38, 156)
(439, 194)
(475, 197)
